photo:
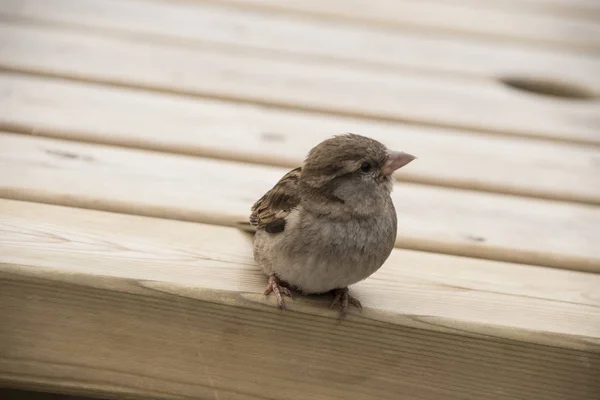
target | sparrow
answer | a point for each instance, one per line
(329, 223)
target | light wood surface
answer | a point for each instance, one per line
(136, 134)
(261, 135)
(157, 309)
(441, 18)
(429, 100)
(589, 9)
(196, 25)
(198, 189)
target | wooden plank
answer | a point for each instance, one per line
(317, 86)
(221, 192)
(589, 9)
(200, 25)
(278, 137)
(440, 18)
(137, 307)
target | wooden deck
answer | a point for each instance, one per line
(135, 134)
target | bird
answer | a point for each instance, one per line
(330, 222)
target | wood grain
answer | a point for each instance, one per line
(189, 24)
(441, 18)
(586, 9)
(135, 307)
(316, 86)
(262, 135)
(112, 305)
(220, 192)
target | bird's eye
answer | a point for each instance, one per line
(365, 167)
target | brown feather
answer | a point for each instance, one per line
(269, 211)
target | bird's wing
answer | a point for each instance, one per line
(269, 211)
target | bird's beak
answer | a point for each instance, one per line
(395, 160)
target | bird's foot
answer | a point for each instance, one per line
(279, 291)
(343, 298)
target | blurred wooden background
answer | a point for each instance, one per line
(136, 133)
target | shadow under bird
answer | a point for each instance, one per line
(329, 223)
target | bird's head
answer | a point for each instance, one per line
(352, 170)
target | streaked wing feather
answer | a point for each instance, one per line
(271, 209)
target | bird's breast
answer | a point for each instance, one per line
(318, 254)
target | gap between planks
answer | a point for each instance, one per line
(181, 24)
(313, 87)
(202, 127)
(188, 21)
(167, 303)
(221, 192)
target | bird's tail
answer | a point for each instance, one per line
(245, 226)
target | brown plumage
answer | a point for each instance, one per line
(271, 209)
(331, 222)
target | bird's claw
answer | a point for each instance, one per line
(278, 290)
(343, 298)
